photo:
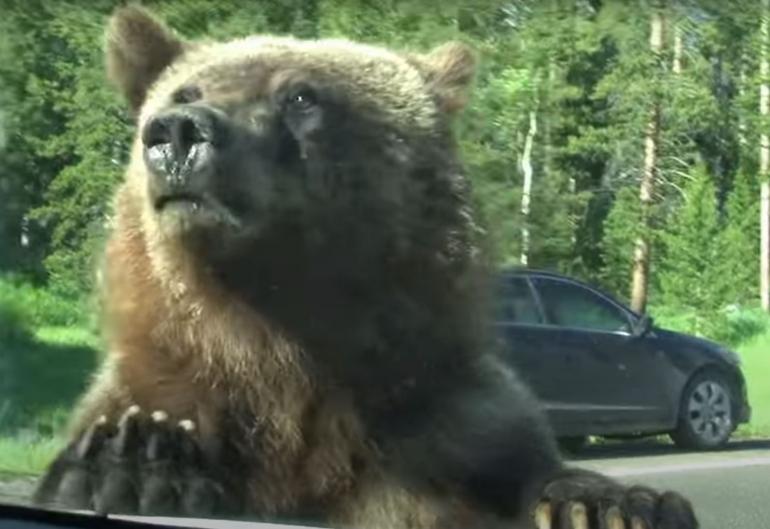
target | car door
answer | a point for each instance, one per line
(526, 347)
(520, 323)
(609, 377)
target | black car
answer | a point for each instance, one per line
(599, 368)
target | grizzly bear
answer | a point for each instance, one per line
(293, 297)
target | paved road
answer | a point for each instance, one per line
(729, 489)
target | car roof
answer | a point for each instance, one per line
(534, 271)
(544, 273)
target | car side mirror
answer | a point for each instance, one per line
(642, 326)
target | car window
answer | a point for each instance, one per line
(570, 305)
(516, 303)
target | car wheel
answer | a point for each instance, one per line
(705, 416)
(572, 445)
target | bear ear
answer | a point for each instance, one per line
(138, 49)
(448, 71)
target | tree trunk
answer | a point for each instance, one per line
(742, 81)
(640, 280)
(547, 112)
(764, 159)
(676, 66)
(526, 169)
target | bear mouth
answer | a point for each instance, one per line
(190, 212)
(189, 200)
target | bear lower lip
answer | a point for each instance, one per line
(190, 201)
(194, 212)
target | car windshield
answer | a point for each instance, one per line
(257, 257)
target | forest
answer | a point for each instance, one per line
(623, 142)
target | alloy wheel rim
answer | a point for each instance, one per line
(709, 411)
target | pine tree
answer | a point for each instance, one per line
(621, 228)
(738, 243)
(687, 275)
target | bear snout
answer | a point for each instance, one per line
(180, 140)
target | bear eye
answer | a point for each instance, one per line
(301, 99)
(187, 94)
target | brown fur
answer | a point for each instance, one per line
(141, 50)
(187, 348)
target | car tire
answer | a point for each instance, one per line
(572, 445)
(706, 413)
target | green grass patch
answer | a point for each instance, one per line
(47, 355)
(47, 352)
(19, 456)
(68, 336)
(755, 355)
(40, 379)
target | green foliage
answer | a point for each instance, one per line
(35, 307)
(583, 69)
(731, 326)
(621, 229)
(709, 263)
(738, 243)
(13, 325)
(687, 277)
(741, 325)
(27, 117)
(94, 141)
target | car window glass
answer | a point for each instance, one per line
(516, 303)
(570, 305)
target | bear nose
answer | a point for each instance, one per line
(180, 140)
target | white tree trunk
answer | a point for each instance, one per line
(640, 280)
(526, 194)
(546, 116)
(764, 158)
(741, 93)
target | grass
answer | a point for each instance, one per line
(47, 353)
(22, 457)
(67, 336)
(46, 373)
(756, 367)
(44, 377)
